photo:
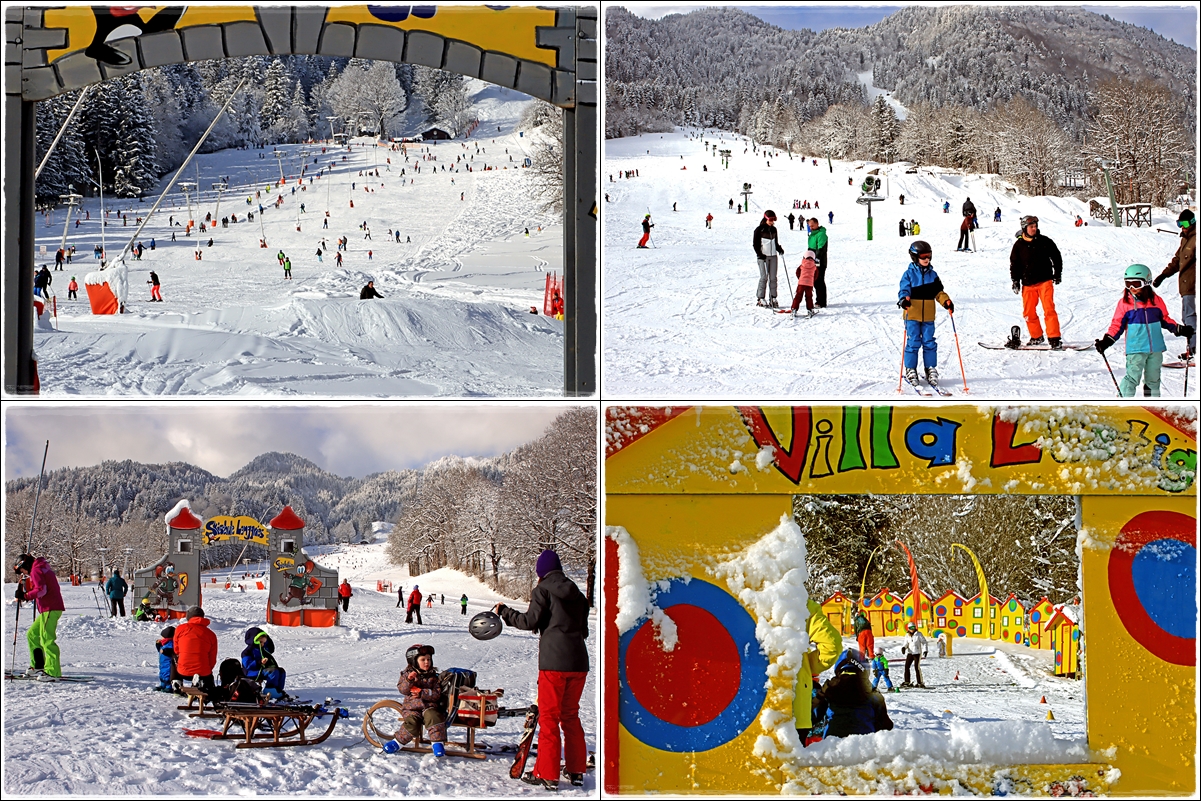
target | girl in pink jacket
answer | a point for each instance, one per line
(805, 274)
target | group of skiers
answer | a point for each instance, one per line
(811, 279)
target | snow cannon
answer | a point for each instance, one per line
(485, 625)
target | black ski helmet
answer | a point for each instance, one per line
(919, 248)
(416, 651)
(24, 564)
(485, 625)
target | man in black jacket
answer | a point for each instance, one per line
(559, 613)
(369, 292)
(767, 246)
(1035, 266)
(969, 208)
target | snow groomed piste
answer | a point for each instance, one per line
(532, 50)
(705, 604)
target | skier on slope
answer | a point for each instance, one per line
(558, 611)
(865, 636)
(819, 243)
(156, 294)
(1184, 264)
(1142, 315)
(414, 605)
(969, 208)
(767, 251)
(37, 583)
(647, 225)
(920, 290)
(368, 292)
(914, 649)
(1035, 267)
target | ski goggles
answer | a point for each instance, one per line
(923, 257)
(1136, 283)
(1183, 223)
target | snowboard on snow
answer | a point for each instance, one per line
(525, 744)
(1180, 365)
(1015, 343)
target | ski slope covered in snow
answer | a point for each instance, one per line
(680, 321)
(458, 286)
(116, 736)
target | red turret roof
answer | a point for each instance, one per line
(184, 520)
(287, 521)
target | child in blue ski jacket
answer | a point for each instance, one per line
(1142, 316)
(166, 660)
(880, 671)
(258, 663)
(921, 289)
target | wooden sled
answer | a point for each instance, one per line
(476, 709)
(289, 724)
(197, 698)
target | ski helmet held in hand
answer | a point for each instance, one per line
(485, 625)
(416, 651)
(919, 248)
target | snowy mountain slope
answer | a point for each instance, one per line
(116, 736)
(680, 321)
(457, 287)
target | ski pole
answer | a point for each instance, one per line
(96, 598)
(12, 662)
(957, 350)
(904, 342)
(787, 279)
(1187, 356)
(1111, 375)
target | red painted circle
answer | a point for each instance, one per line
(693, 683)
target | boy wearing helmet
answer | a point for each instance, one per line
(421, 689)
(921, 289)
(1035, 266)
(1142, 315)
(914, 649)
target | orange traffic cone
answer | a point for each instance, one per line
(1049, 715)
(1044, 700)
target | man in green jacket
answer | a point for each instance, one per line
(817, 243)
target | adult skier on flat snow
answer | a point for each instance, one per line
(767, 245)
(1035, 267)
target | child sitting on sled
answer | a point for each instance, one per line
(421, 688)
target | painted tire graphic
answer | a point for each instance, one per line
(717, 651)
(961, 631)
(941, 611)
(1153, 582)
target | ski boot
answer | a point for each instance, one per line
(1039, 340)
(576, 779)
(761, 303)
(547, 784)
(911, 376)
(810, 313)
(773, 304)
(923, 686)
(1015, 338)
(1056, 343)
(932, 376)
(905, 684)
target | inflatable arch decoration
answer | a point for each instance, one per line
(693, 496)
(549, 53)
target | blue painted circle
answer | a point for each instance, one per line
(752, 690)
(959, 602)
(1165, 580)
(896, 609)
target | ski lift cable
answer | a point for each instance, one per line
(121, 256)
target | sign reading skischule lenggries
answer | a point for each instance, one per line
(241, 528)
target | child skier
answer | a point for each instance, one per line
(1145, 315)
(880, 671)
(647, 225)
(805, 273)
(168, 676)
(921, 288)
(421, 689)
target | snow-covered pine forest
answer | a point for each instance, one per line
(1035, 94)
(488, 517)
(143, 125)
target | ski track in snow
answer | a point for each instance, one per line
(680, 319)
(116, 736)
(454, 320)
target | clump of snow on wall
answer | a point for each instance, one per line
(765, 457)
(635, 596)
(768, 578)
(184, 503)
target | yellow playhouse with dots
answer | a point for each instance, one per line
(702, 577)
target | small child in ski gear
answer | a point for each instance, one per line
(144, 612)
(1142, 315)
(168, 676)
(921, 289)
(854, 706)
(234, 685)
(880, 671)
(805, 272)
(258, 663)
(421, 688)
(647, 225)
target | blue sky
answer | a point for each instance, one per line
(1177, 22)
(222, 437)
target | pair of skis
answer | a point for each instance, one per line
(77, 679)
(929, 392)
